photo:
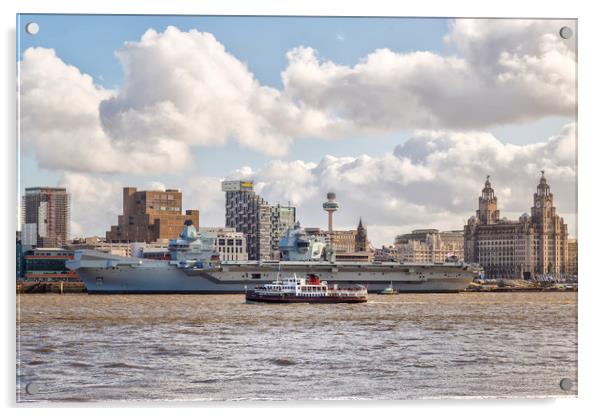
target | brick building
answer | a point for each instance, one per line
(149, 216)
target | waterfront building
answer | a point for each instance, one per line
(48, 265)
(344, 241)
(20, 261)
(46, 215)
(229, 243)
(535, 245)
(149, 216)
(262, 224)
(429, 245)
(572, 268)
(386, 254)
(414, 251)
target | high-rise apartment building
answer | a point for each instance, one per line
(149, 216)
(533, 245)
(46, 216)
(262, 224)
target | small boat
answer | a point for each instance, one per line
(388, 290)
(310, 290)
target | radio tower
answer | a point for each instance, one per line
(330, 206)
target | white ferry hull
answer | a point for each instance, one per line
(104, 273)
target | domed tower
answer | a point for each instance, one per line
(330, 206)
(361, 238)
(488, 212)
(543, 201)
(550, 229)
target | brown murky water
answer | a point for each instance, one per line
(90, 348)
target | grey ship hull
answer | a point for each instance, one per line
(104, 273)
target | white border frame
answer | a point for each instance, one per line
(589, 196)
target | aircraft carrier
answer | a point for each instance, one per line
(193, 269)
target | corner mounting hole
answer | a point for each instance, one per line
(32, 28)
(566, 32)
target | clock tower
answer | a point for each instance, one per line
(543, 209)
(488, 212)
(550, 232)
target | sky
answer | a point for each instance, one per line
(402, 118)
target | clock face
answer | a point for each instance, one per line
(538, 204)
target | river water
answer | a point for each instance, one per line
(80, 347)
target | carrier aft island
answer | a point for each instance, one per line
(192, 269)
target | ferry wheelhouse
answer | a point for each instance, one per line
(306, 290)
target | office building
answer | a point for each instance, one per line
(46, 216)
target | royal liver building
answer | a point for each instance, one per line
(534, 245)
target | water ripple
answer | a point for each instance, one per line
(91, 348)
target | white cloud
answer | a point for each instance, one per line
(187, 87)
(205, 194)
(95, 203)
(502, 71)
(154, 186)
(60, 124)
(432, 180)
(184, 89)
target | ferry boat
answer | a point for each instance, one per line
(310, 290)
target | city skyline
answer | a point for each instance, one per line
(487, 182)
(412, 157)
